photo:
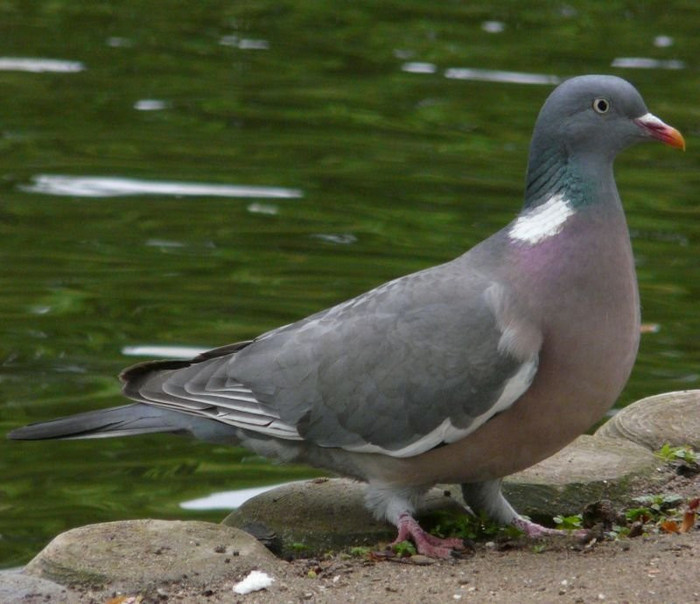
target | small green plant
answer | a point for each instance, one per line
(651, 511)
(643, 514)
(360, 551)
(667, 513)
(475, 528)
(299, 547)
(653, 507)
(684, 453)
(569, 523)
(404, 549)
(618, 531)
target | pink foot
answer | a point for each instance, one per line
(532, 529)
(426, 544)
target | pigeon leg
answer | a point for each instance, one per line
(487, 497)
(426, 544)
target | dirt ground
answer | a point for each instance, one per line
(659, 569)
(653, 568)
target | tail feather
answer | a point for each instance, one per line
(141, 417)
(127, 420)
(134, 377)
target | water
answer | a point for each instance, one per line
(186, 175)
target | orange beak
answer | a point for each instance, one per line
(652, 126)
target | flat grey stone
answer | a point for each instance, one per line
(589, 469)
(140, 554)
(316, 516)
(672, 417)
(16, 586)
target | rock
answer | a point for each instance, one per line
(142, 554)
(672, 417)
(312, 517)
(16, 586)
(589, 469)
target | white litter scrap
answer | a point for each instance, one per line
(255, 581)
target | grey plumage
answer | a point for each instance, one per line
(464, 372)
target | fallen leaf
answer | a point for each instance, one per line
(688, 522)
(669, 526)
(689, 515)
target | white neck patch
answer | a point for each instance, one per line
(543, 221)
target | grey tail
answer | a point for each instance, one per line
(128, 420)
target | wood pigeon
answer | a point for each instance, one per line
(461, 373)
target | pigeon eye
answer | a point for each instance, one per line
(601, 105)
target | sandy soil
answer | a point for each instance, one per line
(657, 569)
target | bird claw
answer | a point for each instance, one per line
(426, 544)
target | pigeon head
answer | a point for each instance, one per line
(584, 124)
(599, 114)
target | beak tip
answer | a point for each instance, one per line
(673, 138)
(679, 142)
(653, 127)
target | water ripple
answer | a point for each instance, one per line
(107, 186)
(419, 67)
(263, 208)
(341, 238)
(163, 352)
(244, 43)
(647, 63)
(228, 500)
(493, 27)
(150, 105)
(492, 75)
(40, 65)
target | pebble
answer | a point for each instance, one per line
(421, 560)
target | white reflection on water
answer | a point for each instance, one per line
(647, 63)
(119, 42)
(150, 105)
(663, 41)
(106, 186)
(244, 43)
(163, 352)
(227, 500)
(341, 238)
(417, 67)
(491, 75)
(40, 65)
(493, 27)
(164, 243)
(263, 208)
